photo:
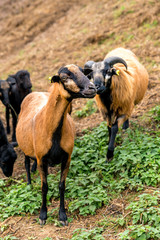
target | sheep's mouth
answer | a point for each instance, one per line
(89, 93)
(101, 89)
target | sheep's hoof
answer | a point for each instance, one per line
(64, 223)
(42, 222)
(63, 218)
(109, 160)
(109, 155)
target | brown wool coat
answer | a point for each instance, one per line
(127, 89)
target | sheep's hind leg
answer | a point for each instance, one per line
(34, 166)
(27, 166)
(7, 121)
(126, 124)
(110, 152)
(14, 123)
(109, 131)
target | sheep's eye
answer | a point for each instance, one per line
(64, 78)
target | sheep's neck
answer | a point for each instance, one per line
(55, 109)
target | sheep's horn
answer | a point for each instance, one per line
(113, 60)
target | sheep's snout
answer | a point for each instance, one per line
(90, 90)
(99, 84)
(5, 101)
(8, 157)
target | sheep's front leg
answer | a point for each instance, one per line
(64, 171)
(7, 120)
(112, 132)
(43, 168)
(14, 123)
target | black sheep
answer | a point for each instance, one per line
(20, 86)
(7, 153)
(4, 92)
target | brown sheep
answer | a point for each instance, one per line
(45, 129)
(119, 88)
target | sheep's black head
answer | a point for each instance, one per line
(7, 159)
(4, 92)
(75, 82)
(23, 81)
(102, 72)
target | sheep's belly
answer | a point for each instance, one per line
(55, 155)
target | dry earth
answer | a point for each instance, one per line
(41, 36)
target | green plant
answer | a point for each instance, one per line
(82, 234)
(146, 210)
(48, 238)
(91, 182)
(156, 113)
(87, 110)
(9, 237)
(145, 217)
(4, 228)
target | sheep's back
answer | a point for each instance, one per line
(31, 105)
(136, 76)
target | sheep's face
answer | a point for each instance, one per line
(7, 159)
(102, 72)
(75, 82)
(4, 92)
(23, 80)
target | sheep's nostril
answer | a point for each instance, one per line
(91, 87)
(97, 86)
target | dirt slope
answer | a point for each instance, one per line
(41, 36)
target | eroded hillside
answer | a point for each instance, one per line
(41, 36)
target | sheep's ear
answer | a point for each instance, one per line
(55, 78)
(115, 72)
(11, 81)
(88, 68)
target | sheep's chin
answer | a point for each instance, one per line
(101, 90)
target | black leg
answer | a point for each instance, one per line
(7, 120)
(14, 123)
(64, 171)
(43, 173)
(126, 124)
(114, 130)
(109, 131)
(34, 166)
(27, 166)
(62, 212)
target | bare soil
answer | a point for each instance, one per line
(41, 36)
